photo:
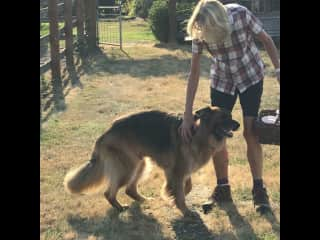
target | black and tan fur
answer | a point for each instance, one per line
(118, 156)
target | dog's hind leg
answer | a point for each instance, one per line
(111, 194)
(131, 189)
(120, 170)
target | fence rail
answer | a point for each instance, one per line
(44, 40)
(44, 12)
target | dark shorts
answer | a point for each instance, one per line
(249, 99)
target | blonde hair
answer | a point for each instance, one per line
(209, 22)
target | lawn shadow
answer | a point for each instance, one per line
(103, 63)
(127, 55)
(125, 63)
(186, 46)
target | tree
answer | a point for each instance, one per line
(172, 21)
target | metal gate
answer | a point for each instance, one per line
(109, 25)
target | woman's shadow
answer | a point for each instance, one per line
(242, 227)
(195, 229)
(132, 224)
(271, 218)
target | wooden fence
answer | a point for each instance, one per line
(79, 14)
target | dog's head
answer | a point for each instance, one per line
(217, 121)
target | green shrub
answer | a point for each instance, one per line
(159, 20)
(184, 12)
(141, 8)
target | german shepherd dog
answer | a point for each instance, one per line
(119, 154)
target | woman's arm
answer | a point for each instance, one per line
(271, 50)
(193, 81)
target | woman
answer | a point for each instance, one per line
(228, 32)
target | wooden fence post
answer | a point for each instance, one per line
(80, 25)
(92, 24)
(55, 54)
(69, 41)
(68, 31)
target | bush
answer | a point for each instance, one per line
(159, 20)
(139, 8)
(184, 12)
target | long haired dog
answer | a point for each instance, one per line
(119, 154)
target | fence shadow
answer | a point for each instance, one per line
(54, 99)
(99, 62)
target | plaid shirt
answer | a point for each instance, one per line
(238, 66)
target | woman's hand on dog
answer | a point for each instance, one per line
(186, 127)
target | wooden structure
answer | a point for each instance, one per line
(268, 11)
(80, 14)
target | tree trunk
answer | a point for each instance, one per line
(172, 21)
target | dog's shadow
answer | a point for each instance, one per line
(134, 224)
(194, 228)
(131, 224)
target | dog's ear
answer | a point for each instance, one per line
(202, 113)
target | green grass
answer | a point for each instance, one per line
(44, 29)
(133, 31)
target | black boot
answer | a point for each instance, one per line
(221, 194)
(261, 200)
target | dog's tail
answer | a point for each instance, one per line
(88, 178)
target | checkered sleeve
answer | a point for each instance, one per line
(197, 46)
(253, 22)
